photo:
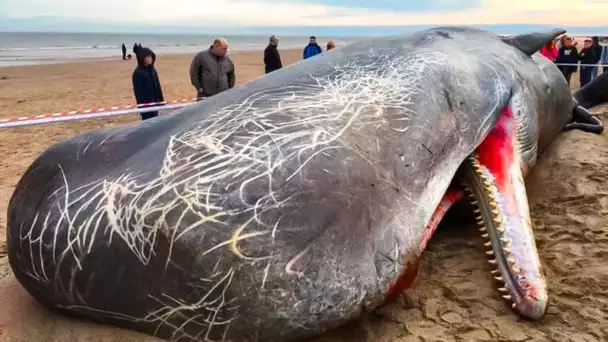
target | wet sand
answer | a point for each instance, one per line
(454, 297)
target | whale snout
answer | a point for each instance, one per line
(532, 306)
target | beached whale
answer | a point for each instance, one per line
(286, 207)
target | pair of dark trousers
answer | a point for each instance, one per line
(148, 115)
(586, 75)
(567, 72)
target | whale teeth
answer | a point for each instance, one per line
(517, 270)
(499, 278)
(475, 202)
(507, 250)
(513, 305)
(485, 235)
(495, 271)
(504, 239)
(512, 259)
(488, 244)
(507, 297)
(477, 211)
(490, 253)
(493, 261)
(482, 229)
(501, 229)
(502, 289)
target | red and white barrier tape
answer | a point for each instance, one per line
(94, 113)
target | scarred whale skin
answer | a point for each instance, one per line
(277, 210)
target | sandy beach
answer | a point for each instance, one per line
(454, 297)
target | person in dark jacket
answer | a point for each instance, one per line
(587, 56)
(146, 84)
(272, 58)
(212, 71)
(568, 54)
(124, 52)
(597, 50)
(312, 49)
(136, 46)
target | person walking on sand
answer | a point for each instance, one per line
(312, 49)
(568, 54)
(212, 71)
(272, 58)
(124, 51)
(146, 83)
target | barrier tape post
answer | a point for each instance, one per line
(140, 108)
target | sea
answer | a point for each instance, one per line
(27, 48)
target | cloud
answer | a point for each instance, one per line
(230, 13)
(403, 5)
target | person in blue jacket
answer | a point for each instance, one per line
(312, 48)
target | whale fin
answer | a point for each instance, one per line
(530, 43)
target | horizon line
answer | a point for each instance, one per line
(598, 30)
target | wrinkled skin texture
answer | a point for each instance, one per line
(280, 209)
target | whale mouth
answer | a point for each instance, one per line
(493, 177)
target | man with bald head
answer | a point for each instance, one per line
(212, 71)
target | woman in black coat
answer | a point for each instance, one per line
(146, 84)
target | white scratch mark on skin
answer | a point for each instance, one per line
(87, 147)
(265, 275)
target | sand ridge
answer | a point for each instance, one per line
(454, 297)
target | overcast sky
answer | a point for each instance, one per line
(205, 13)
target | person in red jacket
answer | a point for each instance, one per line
(549, 51)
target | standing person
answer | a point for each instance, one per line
(124, 51)
(272, 58)
(212, 71)
(135, 48)
(549, 51)
(146, 84)
(587, 57)
(312, 49)
(567, 54)
(330, 45)
(597, 53)
(604, 56)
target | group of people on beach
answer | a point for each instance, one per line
(272, 57)
(568, 58)
(211, 71)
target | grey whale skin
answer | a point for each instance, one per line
(286, 207)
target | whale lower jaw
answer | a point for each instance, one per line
(492, 178)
